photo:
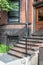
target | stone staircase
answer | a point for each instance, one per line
(33, 43)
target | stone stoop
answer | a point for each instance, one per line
(34, 42)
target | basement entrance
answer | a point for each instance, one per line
(39, 19)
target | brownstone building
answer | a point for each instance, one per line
(24, 25)
(33, 15)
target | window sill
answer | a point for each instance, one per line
(15, 24)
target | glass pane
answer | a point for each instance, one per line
(40, 14)
(15, 6)
(13, 20)
(14, 14)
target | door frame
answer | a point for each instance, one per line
(38, 23)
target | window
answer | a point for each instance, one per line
(14, 15)
(40, 0)
(40, 14)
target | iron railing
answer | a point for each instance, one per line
(8, 36)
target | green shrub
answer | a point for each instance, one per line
(4, 48)
(6, 5)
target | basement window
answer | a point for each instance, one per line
(14, 15)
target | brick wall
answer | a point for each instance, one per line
(3, 17)
(30, 12)
(30, 17)
(22, 11)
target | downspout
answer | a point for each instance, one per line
(26, 10)
(27, 23)
(26, 16)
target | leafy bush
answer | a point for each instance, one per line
(6, 5)
(3, 48)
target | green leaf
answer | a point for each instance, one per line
(6, 5)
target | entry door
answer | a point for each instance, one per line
(39, 19)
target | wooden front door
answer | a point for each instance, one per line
(39, 19)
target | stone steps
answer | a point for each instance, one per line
(16, 54)
(33, 44)
(20, 52)
(28, 46)
(31, 40)
(23, 51)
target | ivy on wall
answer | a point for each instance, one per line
(6, 5)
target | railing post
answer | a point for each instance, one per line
(27, 31)
(26, 36)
